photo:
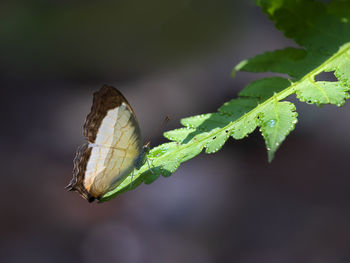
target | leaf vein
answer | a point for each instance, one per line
(320, 89)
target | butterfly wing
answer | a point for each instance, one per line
(115, 143)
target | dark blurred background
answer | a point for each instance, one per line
(168, 58)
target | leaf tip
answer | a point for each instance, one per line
(233, 73)
(238, 67)
(270, 155)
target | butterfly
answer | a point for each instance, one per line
(113, 149)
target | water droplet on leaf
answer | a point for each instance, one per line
(271, 123)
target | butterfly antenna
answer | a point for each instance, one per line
(161, 127)
(148, 142)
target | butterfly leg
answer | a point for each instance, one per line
(132, 177)
(149, 167)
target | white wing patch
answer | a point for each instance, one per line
(114, 152)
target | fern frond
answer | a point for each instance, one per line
(323, 33)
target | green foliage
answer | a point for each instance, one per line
(323, 34)
(277, 120)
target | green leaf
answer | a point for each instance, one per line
(289, 61)
(265, 88)
(341, 65)
(237, 107)
(217, 142)
(179, 135)
(322, 92)
(309, 23)
(205, 122)
(245, 125)
(276, 121)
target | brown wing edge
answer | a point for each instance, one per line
(105, 99)
(80, 162)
